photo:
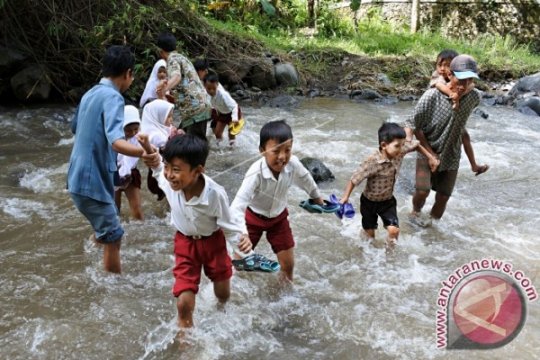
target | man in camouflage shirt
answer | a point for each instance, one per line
(441, 130)
(187, 89)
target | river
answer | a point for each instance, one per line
(348, 302)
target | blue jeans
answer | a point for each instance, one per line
(102, 216)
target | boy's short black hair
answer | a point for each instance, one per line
(189, 148)
(117, 60)
(211, 78)
(446, 54)
(275, 130)
(200, 64)
(166, 42)
(390, 131)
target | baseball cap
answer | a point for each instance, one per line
(131, 115)
(464, 67)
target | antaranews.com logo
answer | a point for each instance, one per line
(482, 305)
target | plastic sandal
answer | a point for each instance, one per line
(256, 262)
(346, 209)
(312, 207)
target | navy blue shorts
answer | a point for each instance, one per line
(102, 216)
(385, 209)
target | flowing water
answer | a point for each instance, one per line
(348, 302)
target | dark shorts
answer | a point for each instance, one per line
(153, 186)
(223, 118)
(197, 129)
(442, 182)
(134, 179)
(278, 230)
(102, 216)
(371, 209)
(192, 256)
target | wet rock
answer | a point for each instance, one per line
(255, 89)
(388, 100)
(317, 169)
(481, 113)
(283, 101)
(529, 83)
(384, 79)
(311, 93)
(262, 75)
(235, 88)
(232, 72)
(366, 94)
(9, 58)
(407, 98)
(31, 84)
(286, 74)
(528, 105)
(489, 101)
(503, 100)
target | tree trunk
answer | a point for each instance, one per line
(415, 14)
(311, 13)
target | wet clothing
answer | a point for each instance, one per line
(371, 209)
(278, 231)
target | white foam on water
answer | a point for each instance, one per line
(65, 142)
(23, 209)
(40, 181)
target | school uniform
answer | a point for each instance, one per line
(224, 108)
(262, 201)
(203, 226)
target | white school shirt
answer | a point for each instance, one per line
(224, 103)
(202, 215)
(265, 194)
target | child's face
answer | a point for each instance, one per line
(169, 120)
(180, 175)
(211, 88)
(131, 130)
(162, 73)
(202, 74)
(443, 67)
(461, 86)
(392, 149)
(277, 155)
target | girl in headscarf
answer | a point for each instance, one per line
(157, 121)
(158, 75)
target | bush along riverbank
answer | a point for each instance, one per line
(54, 53)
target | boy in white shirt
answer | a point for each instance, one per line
(225, 109)
(200, 214)
(262, 197)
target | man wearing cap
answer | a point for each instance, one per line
(187, 89)
(441, 130)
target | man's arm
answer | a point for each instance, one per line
(434, 162)
(467, 145)
(424, 143)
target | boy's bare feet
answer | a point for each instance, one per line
(96, 243)
(420, 219)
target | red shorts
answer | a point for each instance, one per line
(278, 231)
(209, 253)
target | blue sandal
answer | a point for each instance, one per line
(346, 209)
(256, 262)
(312, 207)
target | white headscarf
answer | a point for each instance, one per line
(126, 163)
(153, 121)
(152, 83)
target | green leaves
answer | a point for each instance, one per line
(355, 5)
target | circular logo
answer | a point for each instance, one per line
(489, 310)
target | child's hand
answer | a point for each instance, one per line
(151, 160)
(144, 140)
(480, 169)
(434, 163)
(244, 245)
(176, 132)
(343, 200)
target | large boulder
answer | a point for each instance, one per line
(286, 74)
(232, 72)
(366, 94)
(262, 75)
(317, 169)
(526, 84)
(529, 106)
(31, 83)
(9, 58)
